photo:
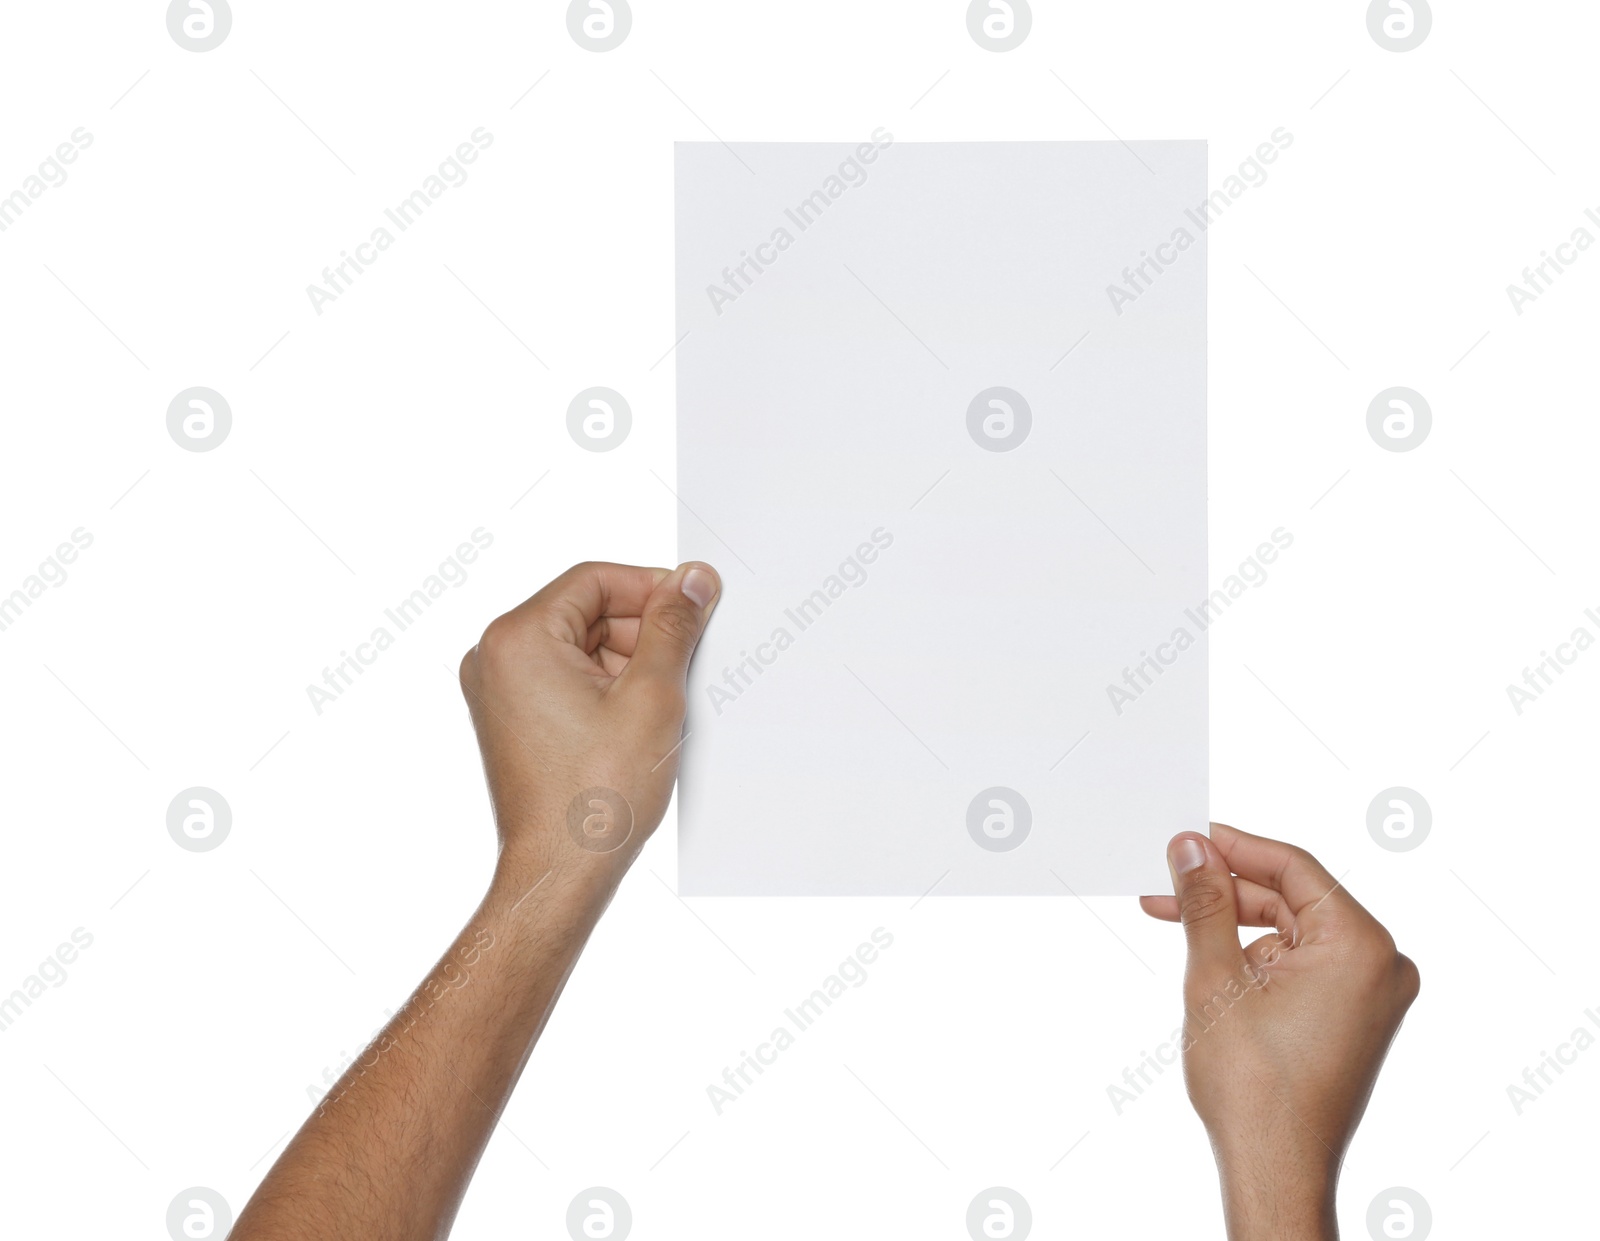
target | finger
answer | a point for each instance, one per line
(1206, 904)
(569, 604)
(1310, 891)
(1264, 953)
(614, 633)
(670, 626)
(609, 661)
(1257, 906)
(1162, 908)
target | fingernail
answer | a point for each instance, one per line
(1187, 854)
(699, 585)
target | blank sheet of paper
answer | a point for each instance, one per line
(941, 427)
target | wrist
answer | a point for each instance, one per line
(580, 847)
(1273, 1196)
(567, 883)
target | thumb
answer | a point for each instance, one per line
(1206, 902)
(670, 626)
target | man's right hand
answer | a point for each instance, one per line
(1284, 1037)
(577, 696)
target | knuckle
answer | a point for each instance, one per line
(1203, 899)
(1408, 978)
(500, 640)
(496, 637)
(1375, 945)
(556, 588)
(1377, 960)
(676, 622)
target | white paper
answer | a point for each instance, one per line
(1003, 620)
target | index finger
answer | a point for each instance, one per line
(571, 603)
(1304, 882)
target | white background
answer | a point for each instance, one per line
(221, 985)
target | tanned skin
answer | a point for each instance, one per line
(577, 696)
(1284, 1037)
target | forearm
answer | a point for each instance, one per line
(390, 1150)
